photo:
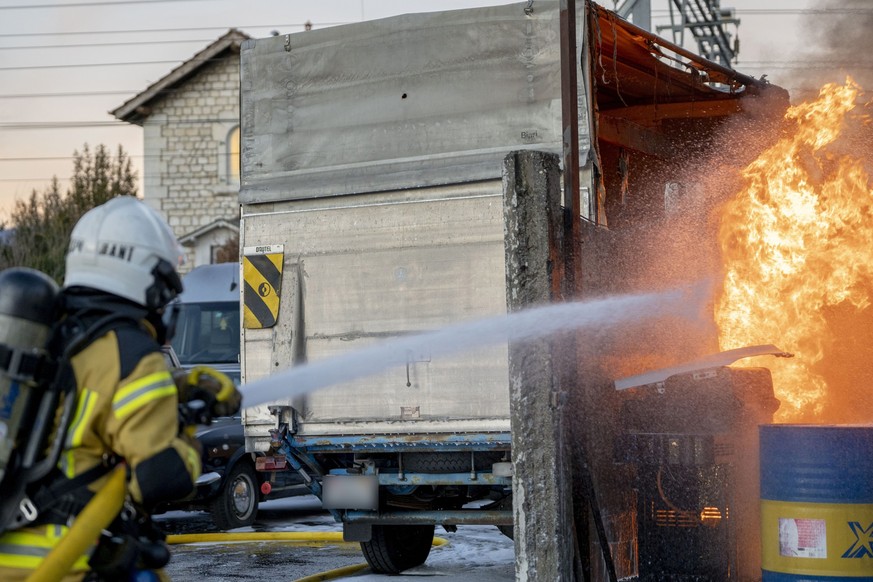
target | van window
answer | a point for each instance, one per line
(207, 333)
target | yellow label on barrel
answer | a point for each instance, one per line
(822, 539)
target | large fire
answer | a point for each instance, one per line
(797, 248)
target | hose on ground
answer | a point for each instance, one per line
(334, 537)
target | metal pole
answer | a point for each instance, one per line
(570, 124)
(569, 284)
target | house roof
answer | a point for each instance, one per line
(217, 224)
(137, 109)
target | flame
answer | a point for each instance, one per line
(797, 249)
(710, 516)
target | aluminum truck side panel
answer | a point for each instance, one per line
(359, 270)
(413, 100)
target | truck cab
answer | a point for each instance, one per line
(208, 334)
(208, 321)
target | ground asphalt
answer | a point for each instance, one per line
(477, 553)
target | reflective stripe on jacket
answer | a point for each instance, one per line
(23, 550)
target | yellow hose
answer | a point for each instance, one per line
(107, 503)
(333, 574)
(268, 536)
(95, 517)
(285, 536)
(290, 536)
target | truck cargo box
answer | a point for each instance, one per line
(364, 268)
(372, 154)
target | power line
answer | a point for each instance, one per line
(43, 159)
(804, 11)
(138, 156)
(63, 158)
(82, 65)
(183, 41)
(770, 64)
(655, 14)
(61, 124)
(83, 4)
(105, 44)
(34, 179)
(164, 154)
(140, 63)
(75, 94)
(166, 30)
(663, 13)
(813, 66)
(85, 123)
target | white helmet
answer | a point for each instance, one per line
(124, 247)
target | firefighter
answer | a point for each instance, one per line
(121, 270)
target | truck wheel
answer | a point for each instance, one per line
(395, 548)
(237, 503)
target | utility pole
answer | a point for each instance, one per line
(637, 11)
(714, 28)
(708, 23)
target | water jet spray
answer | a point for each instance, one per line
(527, 325)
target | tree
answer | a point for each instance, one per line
(229, 251)
(43, 223)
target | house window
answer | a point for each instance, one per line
(233, 156)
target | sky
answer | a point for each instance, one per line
(64, 64)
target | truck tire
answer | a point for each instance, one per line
(237, 503)
(448, 462)
(395, 548)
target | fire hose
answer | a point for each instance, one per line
(108, 501)
(96, 517)
(331, 537)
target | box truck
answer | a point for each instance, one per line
(372, 207)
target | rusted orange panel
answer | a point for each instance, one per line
(631, 66)
(652, 114)
(620, 132)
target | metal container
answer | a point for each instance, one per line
(689, 439)
(816, 502)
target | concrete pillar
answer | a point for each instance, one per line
(534, 239)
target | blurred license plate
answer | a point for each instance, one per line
(350, 492)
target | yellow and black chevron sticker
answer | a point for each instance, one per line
(262, 273)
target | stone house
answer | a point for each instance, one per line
(190, 121)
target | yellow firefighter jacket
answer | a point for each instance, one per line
(127, 406)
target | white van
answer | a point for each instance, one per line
(208, 333)
(208, 322)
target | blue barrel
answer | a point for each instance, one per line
(816, 503)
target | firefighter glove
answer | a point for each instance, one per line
(212, 387)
